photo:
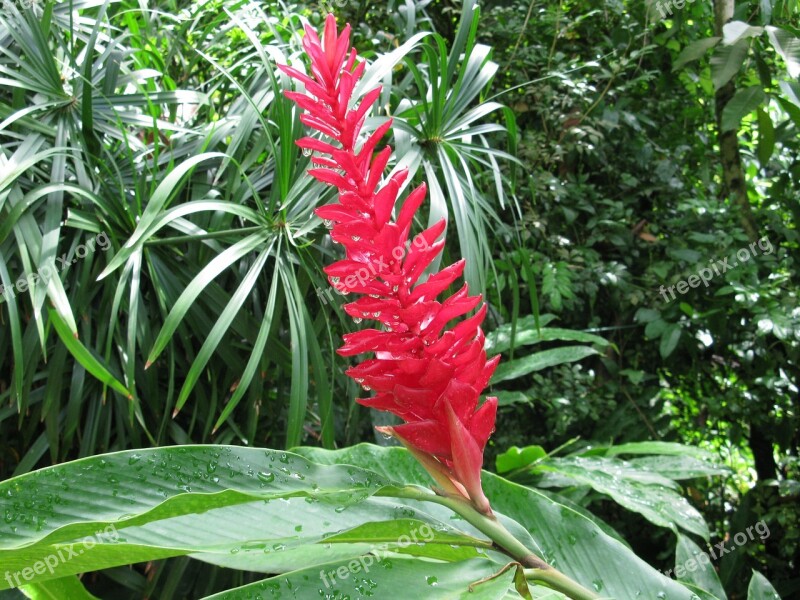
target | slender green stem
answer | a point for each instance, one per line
(538, 569)
(204, 236)
(558, 581)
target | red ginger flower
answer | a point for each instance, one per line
(429, 376)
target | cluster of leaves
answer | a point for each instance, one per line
(316, 523)
(175, 142)
(616, 112)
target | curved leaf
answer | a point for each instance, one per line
(567, 539)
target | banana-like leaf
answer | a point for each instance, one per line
(310, 516)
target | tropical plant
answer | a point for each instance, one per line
(313, 521)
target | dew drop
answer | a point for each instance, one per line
(307, 151)
(356, 238)
(328, 223)
(377, 314)
(266, 477)
(357, 320)
(366, 388)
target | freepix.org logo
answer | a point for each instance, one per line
(716, 268)
(362, 564)
(49, 563)
(46, 272)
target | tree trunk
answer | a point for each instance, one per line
(735, 186)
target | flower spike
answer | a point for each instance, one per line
(430, 376)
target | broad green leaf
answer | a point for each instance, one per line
(669, 339)
(790, 102)
(505, 398)
(654, 329)
(500, 339)
(58, 589)
(256, 520)
(385, 578)
(646, 315)
(694, 566)
(694, 51)
(761, 589)
(296, 533)
(268, 536)
(788, 47)
(735, 31)
(742, 104)
(654, 447)
(516, 458)
(726, 62)
(679, 467)
(766, 137)
(647, 493)
(135, 488)
(563, 536)
(540, 360)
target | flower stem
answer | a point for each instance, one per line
(558, 581)
(537, 569)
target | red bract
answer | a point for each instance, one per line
(430, 376)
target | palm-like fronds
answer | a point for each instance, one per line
(167, 133)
